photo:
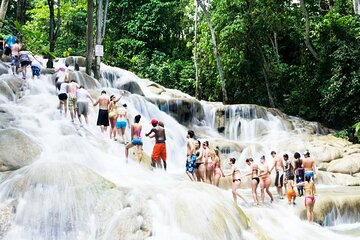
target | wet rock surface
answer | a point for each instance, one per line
(17, 149)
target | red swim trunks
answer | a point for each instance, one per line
(159, 151)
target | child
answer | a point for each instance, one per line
(291, 195)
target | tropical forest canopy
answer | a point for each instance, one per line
(301, 57)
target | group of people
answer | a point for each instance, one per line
(19, 56)
(74, 97)
(300, 174)
(203, 165)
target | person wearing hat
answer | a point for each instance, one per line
(159, 150)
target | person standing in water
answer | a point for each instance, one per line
(288, 171)
(209, 165)
(279, 169)
(82, 96)
(159, 150)
(255, 180)
(190, 155)
(25, 61)
(121, 122)
(135, 139)
(113, 114)
(199, 164)
(309, 168)
(63, 96)
(72, 88)
(218, 173)
(236, 180)
(15, 52)
(309, 188)
(299, 173)
(265, 180)
(103, 117)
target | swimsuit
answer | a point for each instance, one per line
(190, 163)
(103, 118)
(197, 165)
(290, 195)
(159, 151)
(234, 180)
(257, 179)
(121, 124)
(218, 172)
(136, 141)
(35, 71)
(279, 179)
(312, 198)
(309, 174)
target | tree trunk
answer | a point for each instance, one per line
(264, 63)
(54, 29)
(308, 42)
(356, 4)
(89, 36)
(197, 88)
(216, 52)
(20, 11)
(3, 10)
(100, 32)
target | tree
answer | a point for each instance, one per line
(20, 11)
(54, 29)
(3, 10)
(215, 48)
(197, 88)
(89, 36)
(308, 41)
(101, 15)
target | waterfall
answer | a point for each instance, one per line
(80, 186)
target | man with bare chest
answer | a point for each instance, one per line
(279, 169)
(103, 117)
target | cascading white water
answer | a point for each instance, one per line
(81, 187)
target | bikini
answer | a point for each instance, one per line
(234, 180)
(257, 179)
(311, 197)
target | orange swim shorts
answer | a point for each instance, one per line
(159, 151)
(291, 194)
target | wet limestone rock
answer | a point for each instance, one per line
(349, 164)
(5, 118)
(4, 69)
(78, 60)
(16, 149)
(10, 87)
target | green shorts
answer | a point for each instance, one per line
(72, 102)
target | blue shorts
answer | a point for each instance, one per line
(121, 124)
(137, 142)
(310, 174)
(15, 61)
(190, 163)
(35, 71)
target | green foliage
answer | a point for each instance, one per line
(73, 19)
(356, 127)
(342, 134)
(256, 39)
